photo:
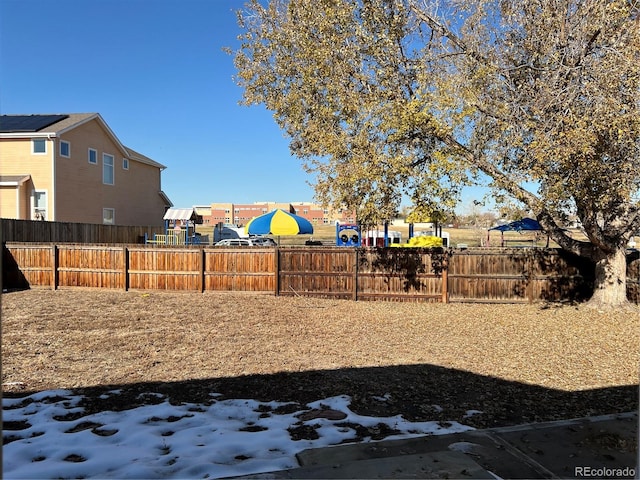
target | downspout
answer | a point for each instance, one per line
(52, 200)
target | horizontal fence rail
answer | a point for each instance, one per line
(395, 274)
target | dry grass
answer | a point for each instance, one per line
(506, 360)
(472, 237)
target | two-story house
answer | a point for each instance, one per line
(73, 168)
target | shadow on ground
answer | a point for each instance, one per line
(418, 392)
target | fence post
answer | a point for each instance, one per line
(355, 275)
(529, 275)
(445, 279)
(202, 257)
(54, 266)
(276, 260)
(125, 268)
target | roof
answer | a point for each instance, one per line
(166, 199)
(54, 123)
(13, 180)
(133, 155)
(182, 214)
(58, 123)
(27, 123)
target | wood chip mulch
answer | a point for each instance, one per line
(514, 363)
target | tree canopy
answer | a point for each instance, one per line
(390, 98)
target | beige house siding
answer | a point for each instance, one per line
(78, 193)
(24, 197)
(76, 178)
(9, 202)
(144, 202)
(23, 162)
(134, 195)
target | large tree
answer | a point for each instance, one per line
(390, 98)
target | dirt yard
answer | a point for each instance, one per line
(515, 363)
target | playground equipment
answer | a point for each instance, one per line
(377, 238)
(442, 235)
(435, 230)
(422, 241)
(179, 228)
(348, 235)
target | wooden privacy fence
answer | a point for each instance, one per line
(361, 274)
(39, 231)
(519, 275)
(400, 274)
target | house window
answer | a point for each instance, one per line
(39, 204)
(108, 216)
(39, 146)
(107, 169)
(93, 156)
(125, 164)
(65, 149)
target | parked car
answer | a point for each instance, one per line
(263, 242)
(234, 242)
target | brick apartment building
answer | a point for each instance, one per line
(241, 213)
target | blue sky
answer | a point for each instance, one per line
(156, 72)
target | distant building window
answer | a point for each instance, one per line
(108, 216)
(39, 146)
(93, 156)
(65, 148)
(107, 169)
(125, 164)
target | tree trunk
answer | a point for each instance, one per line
(610, 288)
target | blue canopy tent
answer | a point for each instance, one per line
(524, 225)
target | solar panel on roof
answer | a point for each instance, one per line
(27, 123)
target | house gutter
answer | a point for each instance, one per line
(26, 135)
